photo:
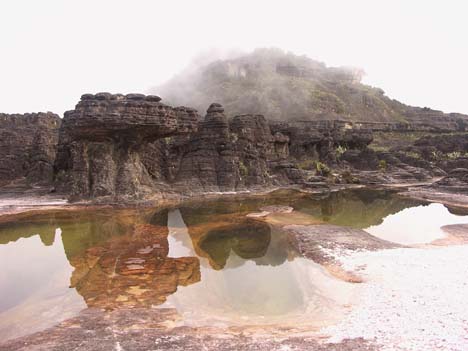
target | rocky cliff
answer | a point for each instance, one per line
(116, 145)
(28, 145)
(134, 147)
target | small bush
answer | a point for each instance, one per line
(383, 165)
(340, 150)
(348, 178)
(413, 154)
(454, 155)
(243, 170)
(322, 169)
(307, 165)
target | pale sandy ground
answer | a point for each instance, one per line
(18, 203)
(413, 299)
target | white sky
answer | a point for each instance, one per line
(52, 51)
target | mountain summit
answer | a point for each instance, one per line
(284, 86)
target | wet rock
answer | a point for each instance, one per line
(277, 209)
(142, 329)
(455, 180)
(319, 242)
(458, 234)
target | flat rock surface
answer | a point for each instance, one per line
(457, 234)
(17, 200)
(450, 199)
(154, 329)
(315, 241)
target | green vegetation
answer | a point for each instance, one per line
(384, 141)
(413, 154)
(323, 101)
(322, 169)
(454, 155)
(349, 178)
(308, 165)
(382, 165)
(340, 150)
(243, 170)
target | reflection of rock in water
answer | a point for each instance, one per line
(132, 270)
(248, 240)
(10, 232)
(359, 208)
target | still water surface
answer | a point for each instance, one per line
(205, 259)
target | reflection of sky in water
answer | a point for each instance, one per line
(242, 285)
(35, 278)
(251, 289)
(415, 225)
(180, 244)
(34, 286)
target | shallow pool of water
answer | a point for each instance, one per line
(205, 259)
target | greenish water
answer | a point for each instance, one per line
(205, 259)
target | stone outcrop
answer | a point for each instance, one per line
(315, 242)
(115, 145)
(320, 140)
(28, 145)
(226, 155)
(134, 118)
(133, 147)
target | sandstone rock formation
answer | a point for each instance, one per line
(27, 146)
(115, 144)
(134, 146)
(226, 155)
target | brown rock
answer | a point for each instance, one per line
(27, 147)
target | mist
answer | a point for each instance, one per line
(54, 51)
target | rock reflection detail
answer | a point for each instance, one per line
(132, 270)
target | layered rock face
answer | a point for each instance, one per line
(28, 145)
(115, 145)
(134, 146)
(320, 140)
(234, 154)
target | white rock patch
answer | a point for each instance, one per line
(413, 299)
